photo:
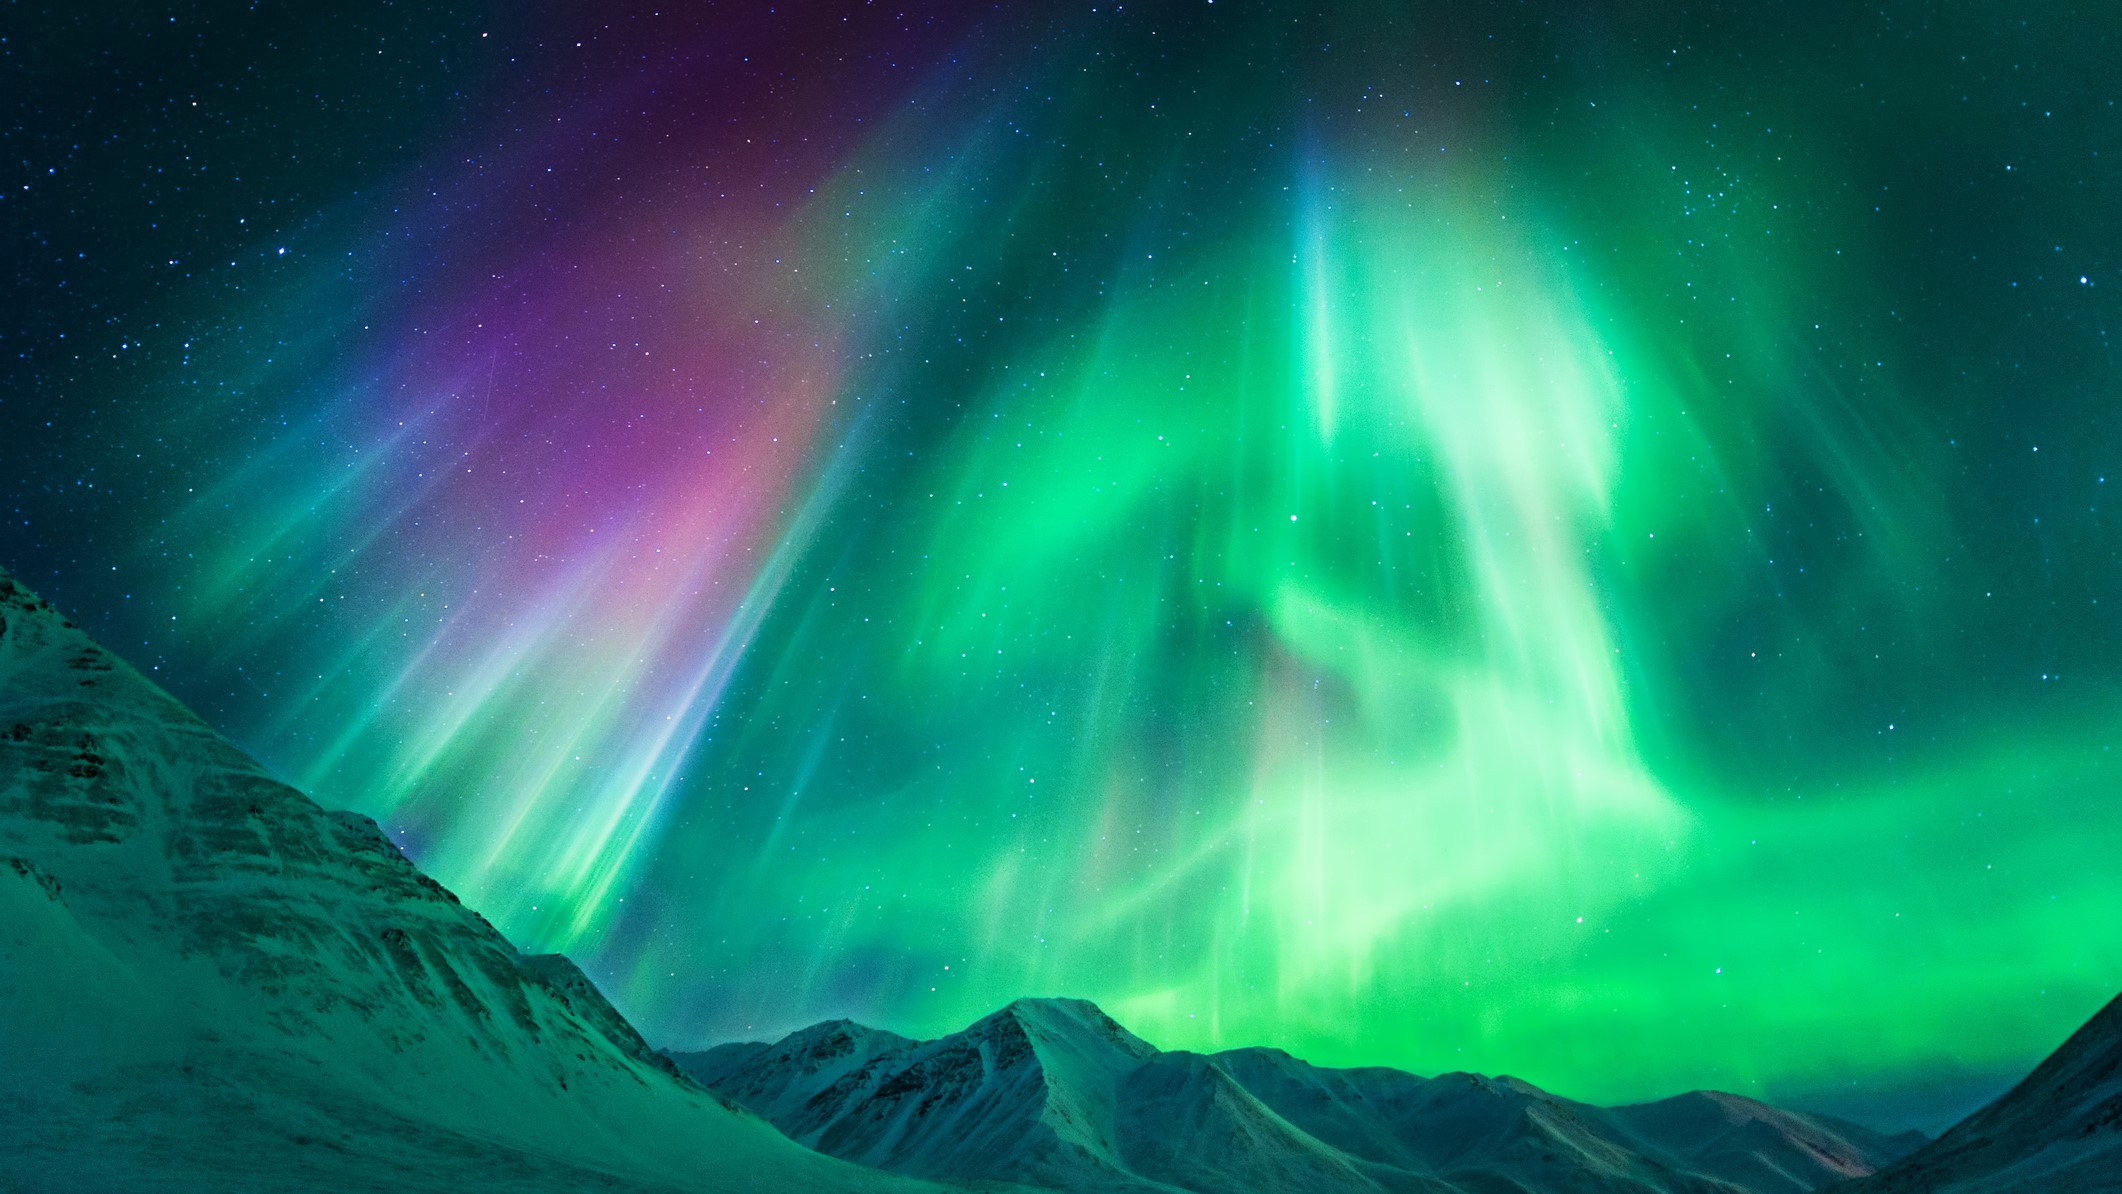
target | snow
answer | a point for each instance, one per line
(2058, 1132)
(209, 982)
(1052, 1092)
(212, 983)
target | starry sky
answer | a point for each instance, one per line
(1537, 538)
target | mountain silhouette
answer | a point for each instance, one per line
(210, 983)
(1055, 1093)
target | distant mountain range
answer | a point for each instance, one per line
(207, 982)
(1054, 1093)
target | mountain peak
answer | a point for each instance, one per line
(212, 983)
(157, 879)
(1054, 1092)
(1053, 1020)
(1053, 1004)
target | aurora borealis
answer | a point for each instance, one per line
(1493, 536)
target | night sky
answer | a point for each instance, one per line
(1568, 540)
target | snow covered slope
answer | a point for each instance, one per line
(1025, 1095)
(1757, 1146)
(1053, 1093)
(208, 982)
(2058, 1131)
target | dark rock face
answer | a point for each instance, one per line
(1023, 1095)
(212, 983)
(1052, 1092)
(2058, 1131)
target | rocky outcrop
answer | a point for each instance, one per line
(212, 983)
(1054, 1093)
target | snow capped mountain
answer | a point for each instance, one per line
(2058, 1132)
(209, 982)
(829, 1058)
(1027, 1094)
(1192, 1126)
(1053, 1092)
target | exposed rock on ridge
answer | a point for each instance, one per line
(209, 982)
(1053, 1092)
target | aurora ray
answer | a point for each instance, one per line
(1484, 540)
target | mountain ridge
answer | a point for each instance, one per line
(213, 983)
(1096, 1108)
(2059, 1131)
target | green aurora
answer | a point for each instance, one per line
(1570, 546)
